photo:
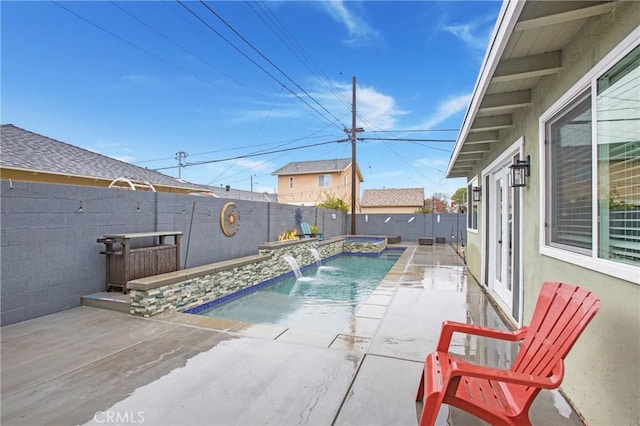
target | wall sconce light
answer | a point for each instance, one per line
(476, 193)
(519, 172)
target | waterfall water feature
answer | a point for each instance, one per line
(294, 265)
(316, 256)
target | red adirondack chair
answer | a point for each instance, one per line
(503, 397)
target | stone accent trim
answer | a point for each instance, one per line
(188, 288)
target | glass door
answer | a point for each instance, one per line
(501, 237)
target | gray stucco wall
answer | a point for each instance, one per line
(451, 226)
(50, 256)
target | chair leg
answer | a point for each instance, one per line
(431, 408)
(420, 394)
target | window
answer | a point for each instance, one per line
(291, 182)
(324, 181)
(597, 136)
(472, 209)
(569, 219)
(618, 156)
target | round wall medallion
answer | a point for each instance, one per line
(230, 219)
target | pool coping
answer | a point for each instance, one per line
(356, 335)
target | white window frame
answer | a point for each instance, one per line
(587, 82)
(473, 182)
(324, 177)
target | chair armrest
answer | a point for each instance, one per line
(450, 327)
(460, 369)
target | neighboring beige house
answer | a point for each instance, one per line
(392, 200)
(309, 182)
(559, 89)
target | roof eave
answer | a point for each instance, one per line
(505, 24)
(94, 178)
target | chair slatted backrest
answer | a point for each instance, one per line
(561, 314)
(306, 229)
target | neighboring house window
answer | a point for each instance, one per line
(324, 181)
(575, 157)
(472, 208)
(291, 182)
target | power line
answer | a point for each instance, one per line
(413, 131)
(406, 140)
(298, 51)
(132, 44)
(198, 17)
(184, 49)
(198, 163)
(267, 59)
(277, 145)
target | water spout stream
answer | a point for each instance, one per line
(294, 265)
(316, 256)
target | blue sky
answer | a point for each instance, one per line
(244, 87)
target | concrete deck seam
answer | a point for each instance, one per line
(346, 394)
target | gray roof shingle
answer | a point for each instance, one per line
(21, 149)
(315, 166)
(398, 197)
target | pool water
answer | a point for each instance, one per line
(324, 299)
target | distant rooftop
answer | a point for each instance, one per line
(28, 151)
(393, 197)
(316, 166)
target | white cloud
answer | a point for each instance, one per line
(375, 110)
(253, 164)
(436, 163)
(475, 33)
(379, 109)
(360, 33)
(259, 115)
(447, 109)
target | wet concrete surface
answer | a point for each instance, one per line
(93, 366)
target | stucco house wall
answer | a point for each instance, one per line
(603, 372)
(307, 191)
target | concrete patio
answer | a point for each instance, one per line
(95, 366)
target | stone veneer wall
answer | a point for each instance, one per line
(188, 288)
(365, 245)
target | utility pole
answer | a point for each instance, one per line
(180, 156)
(354, 131)
(252, 182)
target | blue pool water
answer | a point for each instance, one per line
(324, 299)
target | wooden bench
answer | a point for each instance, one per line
(503, 397)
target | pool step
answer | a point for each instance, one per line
(112, 301)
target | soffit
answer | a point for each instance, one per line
(529, 46)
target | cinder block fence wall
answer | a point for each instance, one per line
(49, 254)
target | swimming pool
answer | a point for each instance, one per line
(324, 299)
